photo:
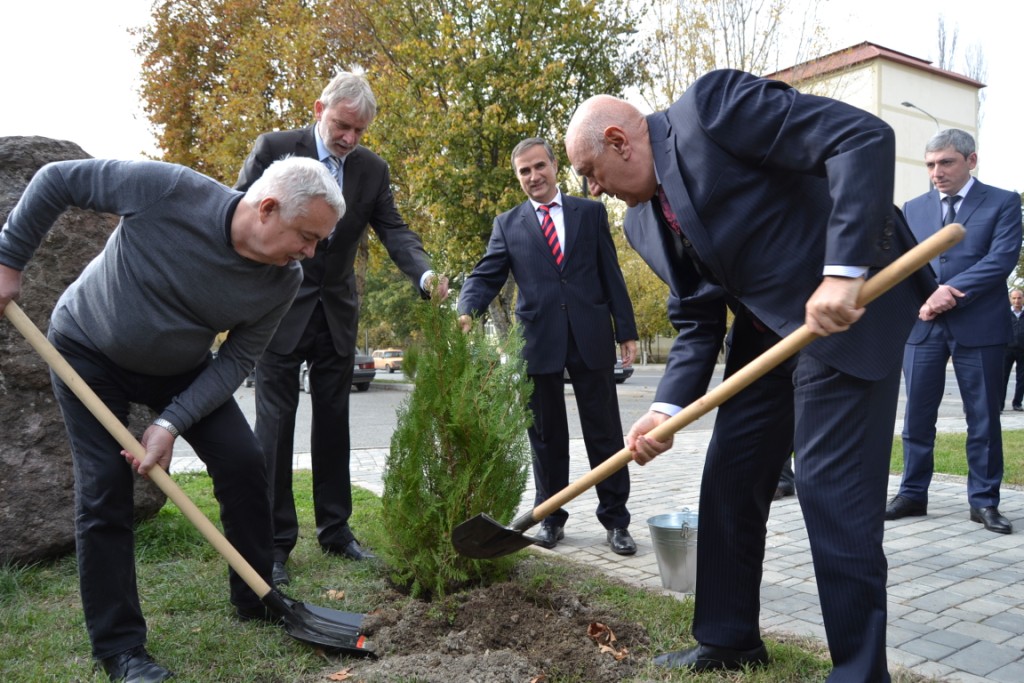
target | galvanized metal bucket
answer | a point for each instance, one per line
(675, 546)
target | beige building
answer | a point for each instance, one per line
(908, 93)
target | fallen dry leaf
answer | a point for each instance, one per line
(605, 639)
(619, 655)
(600, 634)
(539, 678)
(342, 675)
(334, 594)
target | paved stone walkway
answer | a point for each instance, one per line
(956, 591)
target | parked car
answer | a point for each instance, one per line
(388, 359)
(621, 373)
(364, 371)
(362, 374)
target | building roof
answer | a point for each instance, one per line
(859, 54)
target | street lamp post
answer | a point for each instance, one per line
(938, 128)
(911, 105)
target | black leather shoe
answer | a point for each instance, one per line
(1018, 408)
(621, 542)
(549, 535)
(709, 658)
(783, 492)
(901, 506)
(279, 575)
(257, 613)
(993, 521)
(352, 550)
(134, 666)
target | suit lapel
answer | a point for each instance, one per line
(530, 224)
(353, 175)
(651, 242)
(305, 146)
(974, 199)
(571, 225)
(663, 146)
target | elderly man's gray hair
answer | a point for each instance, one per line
(294, 182)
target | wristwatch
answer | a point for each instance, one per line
(160, 422)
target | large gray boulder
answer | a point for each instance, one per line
(36, 480)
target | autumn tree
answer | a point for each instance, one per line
(461, 82)
(648, 294)
(687, 38)
(458, 83)
(217, 73)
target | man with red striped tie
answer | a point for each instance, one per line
(573, 307)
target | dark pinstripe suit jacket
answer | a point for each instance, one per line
(770, 186)
(330, 275)
(587, 294)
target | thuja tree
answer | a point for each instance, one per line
(459, 449)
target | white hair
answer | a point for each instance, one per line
(294, 182)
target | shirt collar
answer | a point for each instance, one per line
(557, 199)
(962, 192)
(321, 149)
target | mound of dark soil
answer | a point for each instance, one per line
(502, 633)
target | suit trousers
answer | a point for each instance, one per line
(979, 374)
(104, 508)
(277, 400)
(1013, 356)
(601, 424)
(842, 432)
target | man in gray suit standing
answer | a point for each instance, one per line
(320, 327)
(559, 249)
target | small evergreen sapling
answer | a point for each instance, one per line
(460, 448)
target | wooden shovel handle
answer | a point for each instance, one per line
(897, 271)
(163, 480)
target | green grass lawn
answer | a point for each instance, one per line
(194, 632)
(950, 456)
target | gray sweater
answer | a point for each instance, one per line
(168, 279)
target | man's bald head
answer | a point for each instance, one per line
(590, 120)
(608, 144)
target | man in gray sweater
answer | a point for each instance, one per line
(190, 258)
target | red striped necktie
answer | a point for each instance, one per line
(547, 226)
(667, 212)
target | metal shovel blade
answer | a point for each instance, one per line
(483, 538)
(323, 627)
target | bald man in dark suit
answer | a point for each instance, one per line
(748, 190)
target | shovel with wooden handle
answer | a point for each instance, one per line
(482, 537)
(319, 626)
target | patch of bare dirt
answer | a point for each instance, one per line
(502, 633)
